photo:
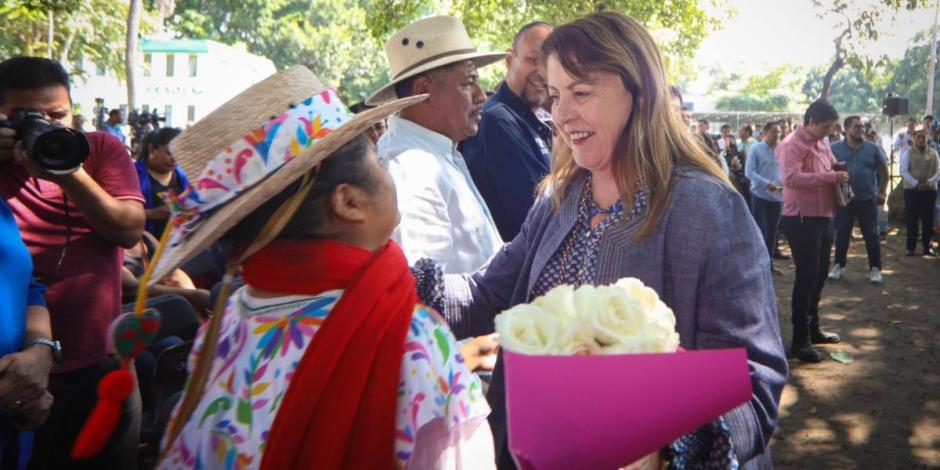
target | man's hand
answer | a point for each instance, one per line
(773, 187)
(922, 187)
(842, 177)
(480, 353)
(880, 200)
(31, 415)
(24, 377)
(7, 140)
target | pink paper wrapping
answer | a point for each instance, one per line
(606, 411)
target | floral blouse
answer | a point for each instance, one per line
(262, 342)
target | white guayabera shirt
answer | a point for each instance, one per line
(443, 216)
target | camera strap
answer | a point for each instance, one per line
(68, 231)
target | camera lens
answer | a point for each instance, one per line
(60, 151)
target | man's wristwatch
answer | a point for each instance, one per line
(52, 344)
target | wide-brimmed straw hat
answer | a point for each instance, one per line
(252, 148)
(425, 45)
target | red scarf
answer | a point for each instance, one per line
(339, 410)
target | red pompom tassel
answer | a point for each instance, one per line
(113, 389)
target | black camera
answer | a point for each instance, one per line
(58, 150)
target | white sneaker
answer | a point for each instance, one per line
(836, 273)
(875, 276)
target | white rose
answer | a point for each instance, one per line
(627, 317)
(530, 329)
(655, 310)
(578, 340)
(558, 301)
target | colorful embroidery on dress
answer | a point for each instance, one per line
(259, 351)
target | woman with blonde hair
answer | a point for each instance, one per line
(631, 193)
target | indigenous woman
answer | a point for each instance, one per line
(632, 194)
(324, 359)
(158, 173)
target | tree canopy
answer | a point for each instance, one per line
(93, 29)
(773, 91)
(342, 41)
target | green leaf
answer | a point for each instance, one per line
(442, 343)
(218, 405)
(842, 356)
(243, 414)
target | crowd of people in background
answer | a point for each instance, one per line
(581, 167)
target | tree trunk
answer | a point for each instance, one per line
(67, 47)
(133, 26)
(50, 36)
(827, 81)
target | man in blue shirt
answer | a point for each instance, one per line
(868, 177)
(113, 125)
(766, 188)
(512, 150)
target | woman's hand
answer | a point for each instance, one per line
(842, 177)
(158, 213)
(480, 353)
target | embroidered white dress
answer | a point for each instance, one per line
(441, 416)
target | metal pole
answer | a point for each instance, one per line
(933, 59)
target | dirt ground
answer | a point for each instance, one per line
(881, 411)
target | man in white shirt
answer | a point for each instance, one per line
(443, 216)
(905, 139)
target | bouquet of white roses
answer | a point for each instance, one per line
(593, 380)
(622, 318)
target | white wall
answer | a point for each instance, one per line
(221, 73)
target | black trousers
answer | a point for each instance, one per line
(810, 241)
(75, 395)
(919, 206)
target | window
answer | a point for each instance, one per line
(193, 65)
(148, 60)
(169, 65)
(168, 114)
(99, 70)
(191, 113)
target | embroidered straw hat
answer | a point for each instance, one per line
(425, 45)
(250, 149)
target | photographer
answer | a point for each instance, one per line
(74, 224)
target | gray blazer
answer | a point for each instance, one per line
(706, 259)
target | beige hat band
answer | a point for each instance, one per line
(428, 60)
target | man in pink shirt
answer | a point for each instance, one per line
(806, 169)
(75, 226)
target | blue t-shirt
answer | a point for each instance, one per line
(18, 290)
(116, 131)
(862, 163)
